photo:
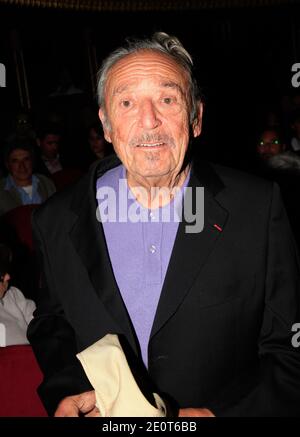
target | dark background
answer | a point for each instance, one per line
(243, 58)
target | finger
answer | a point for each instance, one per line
(67, 408)
(86, 402)
(72, 406)
(195, 412)
(94, 413)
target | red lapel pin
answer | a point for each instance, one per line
(218, 227)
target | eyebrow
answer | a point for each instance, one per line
(120, 89)
(164, 84)
(170, 84)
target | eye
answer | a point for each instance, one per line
(126, 103)
(167, 100)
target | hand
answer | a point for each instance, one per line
(73, 406)
(195, 412)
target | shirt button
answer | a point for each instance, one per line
(152, 248)
(151, 215)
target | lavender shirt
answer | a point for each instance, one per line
(139, 252)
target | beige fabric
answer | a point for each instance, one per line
(117, 393)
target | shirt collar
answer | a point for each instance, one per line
(56, 159)
(10, 183)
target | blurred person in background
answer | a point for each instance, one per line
(269, 144)
(21, 186)
(49, 144)
(98, 144)
(15, 310)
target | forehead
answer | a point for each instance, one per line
(52, 138)
(145, 66)
(19, 154)
(269, 135)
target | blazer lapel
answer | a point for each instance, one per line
(88, 239)
(191, 249)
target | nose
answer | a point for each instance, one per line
(54, 146)
(149, 116)
(22, 166)
(264, 147)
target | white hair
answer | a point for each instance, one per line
(161, 42)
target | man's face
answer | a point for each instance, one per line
(147, 114)
(50, 145)
(269, 145)
(19, 165)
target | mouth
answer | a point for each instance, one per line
(151, 145)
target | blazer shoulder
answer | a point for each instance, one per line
(244, 182)
(62, 205)
(56, 208)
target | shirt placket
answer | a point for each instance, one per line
(152, 233)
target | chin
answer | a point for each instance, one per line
(153, 173)
(156, 167)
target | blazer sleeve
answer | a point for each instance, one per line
(53, 339)
(277, 388)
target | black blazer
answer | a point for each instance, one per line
(221, 337)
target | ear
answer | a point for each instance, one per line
(197, 123)
(104, 122)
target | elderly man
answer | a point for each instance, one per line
(208, 311)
